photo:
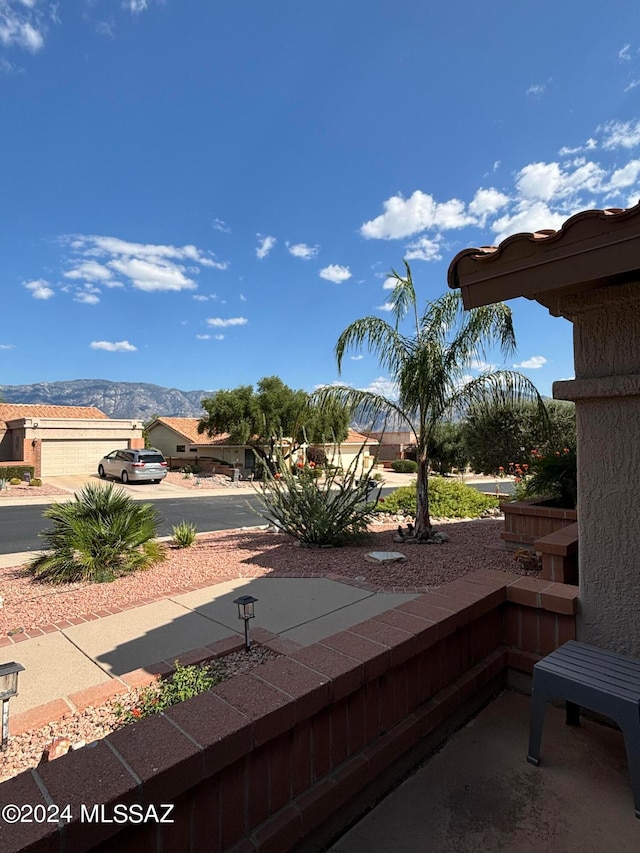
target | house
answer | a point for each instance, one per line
(181, 444)
(61, 439)
(589, 273)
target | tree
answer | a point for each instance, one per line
(447, 449)
(497, 435)
(429, 367)
(259, 418)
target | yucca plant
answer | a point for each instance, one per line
(336, 511)
(98, 536)
(184, 534)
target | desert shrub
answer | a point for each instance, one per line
(98, 536)
(316, 455)
(35, 482)
(447, 448)
(184, 534)
(496, 435)
(15, 481)
(334, 512)
(404, 466)
(186, 682)
(447, 499)
(551, 473)
(9, 472)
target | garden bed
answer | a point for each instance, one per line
(226, 555)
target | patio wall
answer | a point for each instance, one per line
(287, 755)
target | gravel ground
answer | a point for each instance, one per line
(25, 491)
(212, 481)
(249, 553)
(26, 750)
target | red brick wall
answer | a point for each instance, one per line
(261, 761)
(526, 521)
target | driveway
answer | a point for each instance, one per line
(74, 482)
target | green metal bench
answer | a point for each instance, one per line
(588, 677)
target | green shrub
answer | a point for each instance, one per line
(334, 512)
(404, 466)
(15, 481)
(10, 472)
(35, 482)
(186, 682)
(98, 536)
(184, 534)
(554, 474)
(447, 499)
(317, 455)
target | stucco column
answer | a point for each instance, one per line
(606, 391)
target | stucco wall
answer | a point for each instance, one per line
(607, 396)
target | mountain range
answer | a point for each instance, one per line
(139, 400)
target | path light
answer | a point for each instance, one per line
(246, 611)
(8, 689)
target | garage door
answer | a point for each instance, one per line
(69, 456)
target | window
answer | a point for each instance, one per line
(193, 450)
(180, 448)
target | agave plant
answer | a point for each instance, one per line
(98, 536)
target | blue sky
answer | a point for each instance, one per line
(200, 193)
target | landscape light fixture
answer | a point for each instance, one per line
(245, 612)
(8, 689)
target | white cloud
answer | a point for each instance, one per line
(486, 202)
(86, 297)
(621, 134)
(136, 6)
(536, 89)
(90, 271)
(532, 363)
(624, 54)
(7, 346)
(203, 337)
(200, 297)
(384, 386)
(389, 284)
(406, 217)
(113, 346)
(39, 289)
(626, 176)
(145, 266)
(230, 321)
(476, 364)
(219, 337)
(528, 217)
(265, 246)
(221, 225)
(21, 26)
(150, 276)
(422, 249)
(632, 85)
(242, 297)
(335, 273)
(356, 357)
(387, 306)
(302, 250)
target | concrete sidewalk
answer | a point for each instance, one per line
(87, 662)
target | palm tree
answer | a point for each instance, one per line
(429, 368)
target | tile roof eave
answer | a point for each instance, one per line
(529, 249)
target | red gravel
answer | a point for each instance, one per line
(226, 555)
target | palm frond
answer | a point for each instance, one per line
(366, 406)
(492, 388)
(378, 337)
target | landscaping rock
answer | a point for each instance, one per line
(384, 557)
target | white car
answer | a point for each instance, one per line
(134, 466)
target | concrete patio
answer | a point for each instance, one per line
(478, 793)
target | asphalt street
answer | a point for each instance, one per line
(20, 526)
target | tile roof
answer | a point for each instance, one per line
(188, 428)
(14, 411)
(595, 246)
